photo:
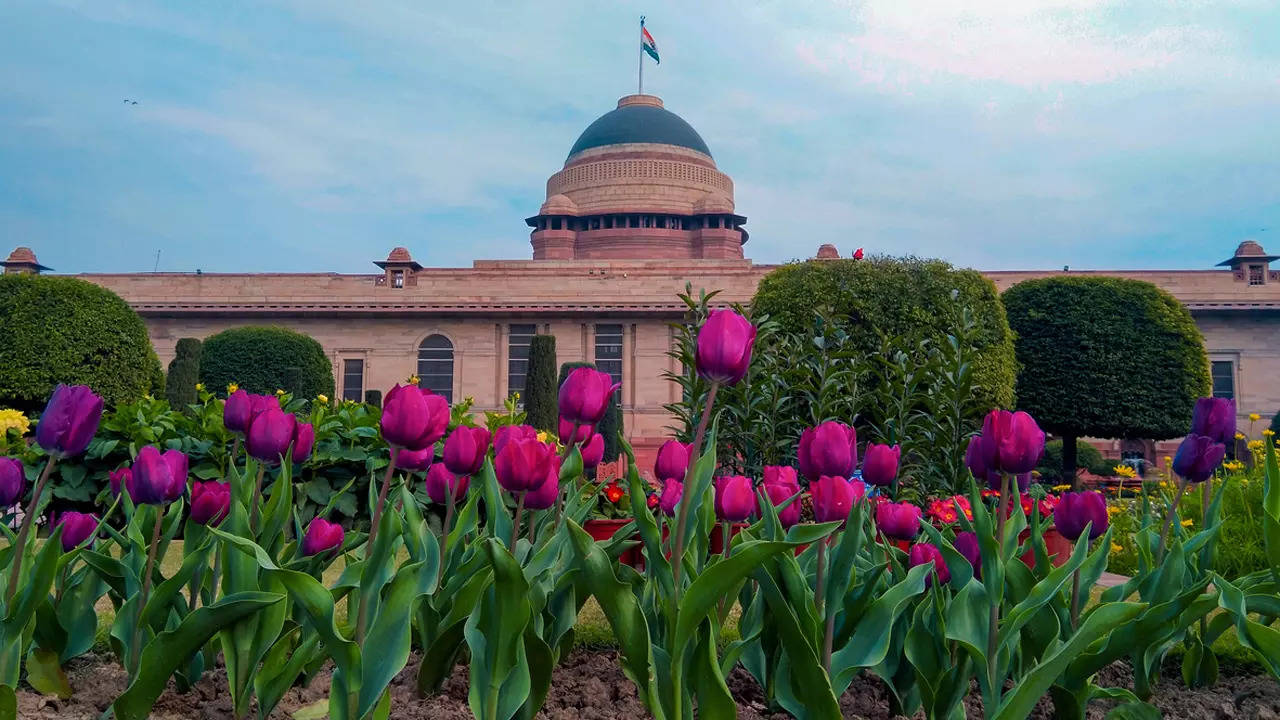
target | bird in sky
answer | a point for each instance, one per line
(127, 101)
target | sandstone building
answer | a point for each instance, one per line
(638, 210)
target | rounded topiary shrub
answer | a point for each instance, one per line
(266, 359)
(909, 298)
(63, 330)
(184, 373)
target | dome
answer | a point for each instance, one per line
(558, 205)
(713, 202)
(640, 119)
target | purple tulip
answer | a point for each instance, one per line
(568, 436)
(304, 439)
(523, 465)
(69, 421)
(237, 411)
(735, 498)
(723, 353)
(584, 396)
(900, 521)
(780, 485)
(828, 449)
(464, 450)
(440, 481)
(1012, 441)
(507, 433)
(922, 553)
(76, 529)
(966, 543)
(121, 478)
(1215, 418)
(977, 457)
(1197, 457)
(592, 452)
(880, 466)
(158, 479)
(833, 497)
(673, 460)
(1077, 509)
(210, 502)
(413, 417)
(13, 480)
(322, 536)
(270, 434)
(1023, 481)
(415, 460)
(672, 492)
(545, 495)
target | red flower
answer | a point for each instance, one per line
(613, 493)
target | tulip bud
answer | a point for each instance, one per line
(900, 521)
(880, 466)
(304, 439)
(568, 436)
(13, 480)
(270, 434)
(210, 502)
(1077, 509)
(464, 450)
(828, 449)
(977, 458)
(723, 352)
(158, 479)
(833, 497)
(545, 495)
(121, 478)
(69, 421)
(1215, 418)
(922, 553)
(1015, 438)
(592, 452)
(780, 485)
(507, 433)
(76, 529)
(237, 411)
(673, 460)
(672, 491)
(322, 536)
(440, 481)
(1197, 457)
(522, 465)
(584, 396)
(415, 460)
(413, 417)
(966, 543)
(735, 498)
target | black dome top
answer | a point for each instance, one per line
(639, 123)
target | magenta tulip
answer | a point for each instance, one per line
(440, 481)
(833, 497)
(322, 536)
(723, 353)
(781, 484)
(923, 553)
(673, 460)
(77, 528)
(13, 481)
(544, 496)
(464, 450)
(735, 498)
(210, 502)
(69, 421)
(237, 411)
(415, 460)
(669, 500)
(1215, 418)
(828, 449)
(1012, 441)
(592, 452)
(304, 439)
(880, 466)
(413, 417)
(568, 436)
(900, 521)
(584, 396)
(977, 458)
(1197, 458)
(1077, 509)
(966, 543)
(158, 479)
(121, 478)
(523, 465)
(270, 434)
(507, 433)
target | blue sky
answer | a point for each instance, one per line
(314, 135)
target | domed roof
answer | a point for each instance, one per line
(713, 202)
(640, 119)
(558, 205)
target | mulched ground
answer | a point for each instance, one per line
(589, 685)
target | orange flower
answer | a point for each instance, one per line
(613, 493)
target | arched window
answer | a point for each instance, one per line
(435, 366)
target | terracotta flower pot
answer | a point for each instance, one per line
(1058, 547)
(603, 530)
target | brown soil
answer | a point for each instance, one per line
(589, 685)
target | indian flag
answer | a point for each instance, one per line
(647, 43)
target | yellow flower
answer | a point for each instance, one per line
(1239, 436)
(322, 399)
(1187, 522)
(1113, 509)
(543, 436)
(1255, 445)
(199, 387)
(1232, 465)
(414, 380)
(1125, 471)
(1164, 484)
(1116, 548)
(13, 420)
(232, 387)
(1168, 460)
(279, 391)
(1254, 417)
(1060, 488)
(1268, 432)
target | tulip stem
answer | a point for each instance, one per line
(820, 594)
(828, 640)
(444, 534)
(568, 448)
(677, 554)
(20, 545)
(515, 525)
(993, 627)
(382, 499)
(533, 529)
(235, 454)
(257, 496)
(1168, 520)
(146, 590)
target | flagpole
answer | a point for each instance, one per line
(640, 81)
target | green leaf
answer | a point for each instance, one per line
(870, 641)
(318, 710)
(45, 675)
(495, 634)
(1134, 711)
(805, 668)
(389, 634)
(281, 667)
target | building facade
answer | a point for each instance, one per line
(638, 211)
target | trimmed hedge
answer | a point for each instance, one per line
(64, 330)
(265, 359)
(184, 373)
(910, 298)
(541, 394)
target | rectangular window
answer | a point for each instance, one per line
(1224, 379)
(1256, 276)
(609, 350)
(518, 337)
(353, 380)
(397, 279)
